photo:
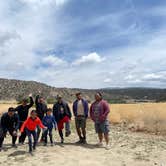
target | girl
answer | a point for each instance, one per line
(30, 127)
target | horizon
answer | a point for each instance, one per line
(83, 44)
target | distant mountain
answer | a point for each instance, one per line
(16, 90)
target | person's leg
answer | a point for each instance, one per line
(106, 137)
(77, 124)
(61, 135)
(14, 137)
(34, 139)
(2, 136)
(50, 135)
(38, 132)
(45, 136)
(83, 127)
(100, 136)
(67, 128)
(106, 130)
(28, 133)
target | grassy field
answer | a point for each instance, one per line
(138, 117)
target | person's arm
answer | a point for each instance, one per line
(54, 112)
(54, 122)
(37, 100)
(74, 108)
(31, 102)
(40, 124)
(106, 110)
(68, 111)
(24, 125)
(3, 123)
(91, 113)
(86, 109)
(17, 121)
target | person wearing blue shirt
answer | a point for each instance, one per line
(50, 122)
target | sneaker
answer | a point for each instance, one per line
(79, 142)
(45, 144)
(62, 141)
(107, 147)
(84, 141)
(67, 133)
(14, 145)
(100, 144)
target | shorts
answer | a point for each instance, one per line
(102, 127)
(80, 122)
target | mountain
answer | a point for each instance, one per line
(17, 89)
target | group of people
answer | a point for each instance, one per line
(18, 123)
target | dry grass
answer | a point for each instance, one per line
(149, 116)
(138, 117)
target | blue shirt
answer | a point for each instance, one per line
(49, 121)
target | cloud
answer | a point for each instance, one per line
(52, 60)
(91, 58)
(107, 80)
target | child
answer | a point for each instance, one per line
(49, 122)
(30, 127)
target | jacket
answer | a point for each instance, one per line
(85, 105)
(49, 121)
(57, 113)
(41, 108)
(24, 110)
(31, 124)
(8, 122)
(104, 111)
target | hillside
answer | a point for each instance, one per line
(16, 89)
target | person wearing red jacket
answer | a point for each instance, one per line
(30, 127)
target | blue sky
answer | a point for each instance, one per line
(84, 43)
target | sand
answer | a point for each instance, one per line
(127, 149)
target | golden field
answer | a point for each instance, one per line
(138, 117)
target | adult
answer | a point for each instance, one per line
(99, 111)
(80, 110)
(9, 123)
(62, 114)
(23, 111)
(41, 109)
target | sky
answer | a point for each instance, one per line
(84, 43)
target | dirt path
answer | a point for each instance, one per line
(127, 149)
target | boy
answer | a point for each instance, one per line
(49, 122)
(30, 127)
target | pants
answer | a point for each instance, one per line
(46, 133)
(38, 133)
(30, 134)
(67, 128)
(23, 135)
(3, 134)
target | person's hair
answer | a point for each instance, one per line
(98, 93)
(25, 100)
(49, 109)
(11, 109)
(78, 93)
(33, 111)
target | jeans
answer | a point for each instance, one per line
(67, 128)
(46, 132)
(38, 133)
(3, 134)
(23, 135)
(30, 133)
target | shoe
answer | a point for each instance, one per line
(62, 141)
(79, 142)
(34, 148)
(107, 147)
(100, 144)
(52, 144)
(14, 145)
(84, 141)
(67, 133)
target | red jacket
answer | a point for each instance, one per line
(31, 124)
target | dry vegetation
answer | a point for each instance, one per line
(137, 117)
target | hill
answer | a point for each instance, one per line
(17, 89)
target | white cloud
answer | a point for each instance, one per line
(89, 59)
(53, 61)
(107, 80)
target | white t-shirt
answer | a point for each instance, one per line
(80, 108)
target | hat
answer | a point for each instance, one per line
(11, 109)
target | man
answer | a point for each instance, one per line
(9, 123)
(23, 111)
(99, 114)
(80, 110)
(62, 114)
(41, 109)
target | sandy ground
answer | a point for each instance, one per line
(127, 149)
